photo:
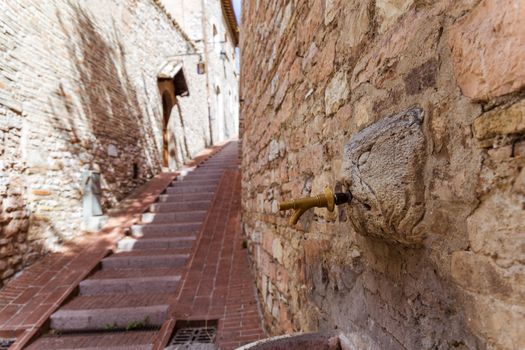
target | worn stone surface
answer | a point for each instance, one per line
(488, 47)
(383, 169)
(501, 122)
(454, 184)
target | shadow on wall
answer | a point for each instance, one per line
(98, 109)
(110, 115)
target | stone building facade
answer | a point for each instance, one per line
(98, 86)
(210, 24)
(418, 109)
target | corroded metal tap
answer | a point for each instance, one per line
(326, 200)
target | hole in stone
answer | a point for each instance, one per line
(135, 171)
(367, 206)
(194, 332)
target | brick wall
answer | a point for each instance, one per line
(78, 91)
(315, 74)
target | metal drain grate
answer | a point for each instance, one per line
(6, 343)
(194, 334)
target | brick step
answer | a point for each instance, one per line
(130, 340)
(176, 207)
(186, 197)
(152, 252)
(163, 235)
(144, 243)
(219, 163)
(213, 168)
(187, 182)
(135, 273)
(143, 230)
(183, 216)
(129, 262)
(191, 189)
(200, 170)
(203, 177)
(103, 312)
(152, 284)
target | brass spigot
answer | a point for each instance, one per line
(326, 200)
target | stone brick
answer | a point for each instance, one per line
(500, 323)
(336, 92)
(502, 238)
(478, 273)
(389, 11)
(488, 49)
(501, 122)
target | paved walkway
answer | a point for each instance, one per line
(184, 267)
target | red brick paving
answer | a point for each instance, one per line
(27, 301)
(219, 283)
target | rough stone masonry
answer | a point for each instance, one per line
(418, 107)
(79, 91)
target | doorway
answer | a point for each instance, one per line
(167, 105)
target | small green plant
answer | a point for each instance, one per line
(110, 326)
(137, 324)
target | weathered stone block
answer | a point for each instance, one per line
(479, 274)
(389, 11)
(501, 323)
(383, 168)
(501, 122)
(488, 49)
(336, 92)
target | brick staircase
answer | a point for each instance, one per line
(123, 304)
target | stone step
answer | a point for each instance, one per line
(153, 284)
(115, 311)
(183, 216)
(127, 244)
(136, 273)
(187, 182)
(128, 262)
(143, 230)
(176, 207)
(136, 340)
(163, 235)
(198, 177)
(185, 197)
(191, 189)
(152, 252)
(200, 170)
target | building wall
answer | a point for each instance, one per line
(440, 263)
(223, 75)
(78, 91)
(204, 22)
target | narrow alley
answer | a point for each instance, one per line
(262, 175)
(182, 269)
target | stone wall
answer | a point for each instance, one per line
(417, 107)
(78, 91)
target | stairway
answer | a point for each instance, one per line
(124, 303)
